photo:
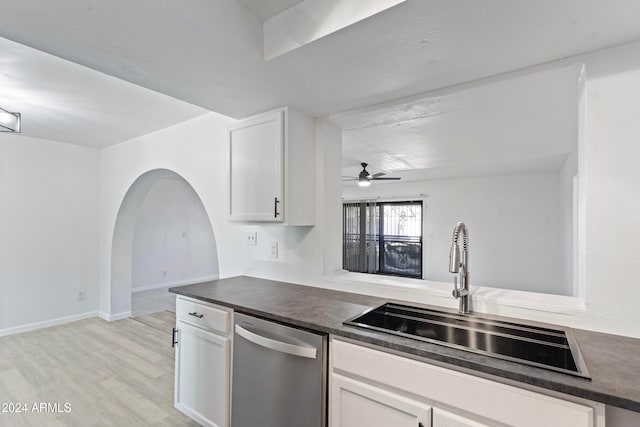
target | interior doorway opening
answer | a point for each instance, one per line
(162, 238)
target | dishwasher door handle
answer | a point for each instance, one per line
(283, 347)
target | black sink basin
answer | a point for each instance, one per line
(554, 349)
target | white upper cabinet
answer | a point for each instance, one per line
(272, 168)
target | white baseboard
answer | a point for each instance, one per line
(46, 323)
(112, 317)
(174, 283)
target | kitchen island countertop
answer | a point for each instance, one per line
(612, 360)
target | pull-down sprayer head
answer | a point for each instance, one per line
(454, 258)
(454, 254)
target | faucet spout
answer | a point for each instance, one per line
(460, 264)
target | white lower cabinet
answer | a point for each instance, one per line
(370, 387)
(203, 357)
(442, 418)
(358, 404)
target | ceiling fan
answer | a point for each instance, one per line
(364, 178)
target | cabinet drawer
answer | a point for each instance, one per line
(204, 315)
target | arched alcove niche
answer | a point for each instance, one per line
(162, 236)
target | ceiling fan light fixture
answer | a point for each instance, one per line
(364, 182)
(9, 122)
(364, 178)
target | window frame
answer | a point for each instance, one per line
(379, 235)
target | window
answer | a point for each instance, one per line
(383, 238)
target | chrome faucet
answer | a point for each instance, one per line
(461, 266)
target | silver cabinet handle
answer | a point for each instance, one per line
(283, 347)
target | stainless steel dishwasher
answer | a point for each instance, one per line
(279, 375)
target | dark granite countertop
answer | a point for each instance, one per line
(612, 361)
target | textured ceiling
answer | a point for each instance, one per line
(525, 122)
(209, 53)
(266, 9)
(66, 102)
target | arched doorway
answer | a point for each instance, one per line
(162, 237)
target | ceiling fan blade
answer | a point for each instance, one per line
(376, 175)
(350, 179)
(386, 179)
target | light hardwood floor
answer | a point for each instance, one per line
(147, 302)
(110, 373)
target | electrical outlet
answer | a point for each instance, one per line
(274, 250)
(252, 238)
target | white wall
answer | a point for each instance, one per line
(515, 227)
(48, 231)
(568, 203)
(612, 151)
(173, 240)
(197, 151)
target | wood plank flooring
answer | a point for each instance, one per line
(147, 302)
(109, 373)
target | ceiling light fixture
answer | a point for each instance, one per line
(9, 122)
(363, 181)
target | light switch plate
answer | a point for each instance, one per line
(252, 238)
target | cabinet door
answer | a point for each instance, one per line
(202, 375)
(357, 404)
(257, 174)
(442, 418)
